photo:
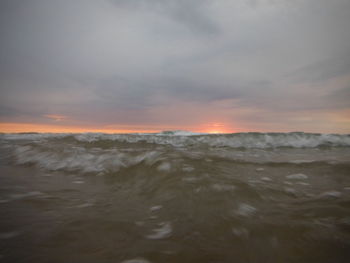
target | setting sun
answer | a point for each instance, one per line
(215, 132)
(216, 128)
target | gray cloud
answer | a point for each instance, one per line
(340, 97)
(191, 14)
(119, 60)
(323, 70)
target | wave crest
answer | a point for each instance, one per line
(183, 139)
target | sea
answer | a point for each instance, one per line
(175, 197)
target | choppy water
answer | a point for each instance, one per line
(175, 197)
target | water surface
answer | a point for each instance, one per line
(175, 197)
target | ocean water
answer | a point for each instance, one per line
(175, 197)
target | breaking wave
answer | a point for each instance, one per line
(169, 151)
(184, 138)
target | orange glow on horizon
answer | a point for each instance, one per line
(8, 127)
(216, 128)
(218, 131)
(215, 132)
(47, 128)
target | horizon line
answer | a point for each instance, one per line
(28, 128)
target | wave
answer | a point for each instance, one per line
(170, 151)
(77, 159)
(96, 160)
(184, 138)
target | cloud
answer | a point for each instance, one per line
(122, 61)
(323, 70)
(340, 97)
(56, 117)
(191, 14)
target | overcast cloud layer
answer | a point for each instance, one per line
(252, 65)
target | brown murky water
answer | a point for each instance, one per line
(70, 199)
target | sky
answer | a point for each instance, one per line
(153, 65)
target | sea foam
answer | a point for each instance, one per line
(183, 138)
(169, 152)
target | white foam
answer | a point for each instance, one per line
(240, 232)
(78, 182)
(290, 190)
(84, 205)
(187, 168)
(297, 176)
(33, 136)
(223, 187)
(182, 138)
(332, 194)
(301, 161)
(190, 179)
(162, 232)
(155, 208)
(302, 183)
(164, 167)
(266, 179)
(245, 210)
(83, 159)
(74, 152)
(25, 195)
